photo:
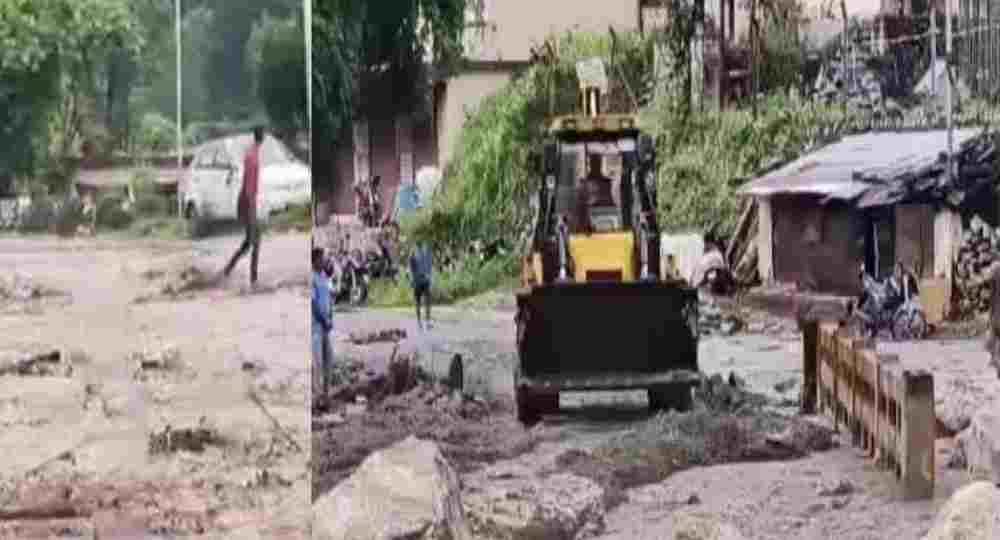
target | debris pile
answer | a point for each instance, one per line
(712, 320)
(190, 439)
(366, 412)
(39, 362)
(729, 424)
(394, 335)
(977, 261)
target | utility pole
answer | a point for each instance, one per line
(180, 129)
(933, 71)
(949, 89)
(307, 23)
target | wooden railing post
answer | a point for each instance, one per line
(918, 423)
(884, 388)
(810, 367)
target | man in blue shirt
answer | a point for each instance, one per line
(421, 266)
(322, 322)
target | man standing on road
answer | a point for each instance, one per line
(322, 323)
(247, 208)
(421, 265)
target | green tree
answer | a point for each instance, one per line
(50, 53)
(276, 61)
(359, 45)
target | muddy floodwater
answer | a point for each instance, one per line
(170, 403)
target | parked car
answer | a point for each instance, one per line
(214, 178)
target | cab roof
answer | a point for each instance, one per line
(582, 128)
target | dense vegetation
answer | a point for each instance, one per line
(103, 71)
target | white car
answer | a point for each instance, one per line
(214, 179)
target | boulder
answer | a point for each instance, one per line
(700, 526)
(523, 506)
(980, 443)
(970, 514)
(405, 491)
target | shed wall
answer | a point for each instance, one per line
(816, 246)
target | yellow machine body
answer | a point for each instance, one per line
(603, 254)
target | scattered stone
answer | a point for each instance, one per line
(785, 385)
(557, 506)
(840, 504)
(196, 439)
(392, 335)
(407, 491)
(700, 526)
(978, 447)
(694, 499)
(840, 488)
(970, 514)
(165, 359)
(43, 362)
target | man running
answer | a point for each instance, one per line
(247, 208)
(421, 265)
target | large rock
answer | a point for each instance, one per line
(970, 514)
(699, 526)
(522, 506)
(407, 491)
(980, 443)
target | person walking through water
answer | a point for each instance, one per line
(322, 324)
(421, 265)
(247, 208)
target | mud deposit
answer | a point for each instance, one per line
(360, 417)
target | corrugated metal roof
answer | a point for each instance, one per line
(878, 157)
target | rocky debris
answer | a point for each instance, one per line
(22, 288)
(836, 488)
(688, 525)
(166, 359)
(712, 320)
(974, 268)
(471, 431)
(391, 335)
(731, 395)
(978, 447)
(189, 439)
(955, 413)
(676, 441)
(178, 284)
(40, 361)
(786, 385)
(970, 514)
(407, 491)
(525, 506)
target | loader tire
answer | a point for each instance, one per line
(531, 406)
(676, 396)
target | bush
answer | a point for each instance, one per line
(467, 279)
(149, 202)
(39, 216)
(69, 216)
(111, 215)
(156, 132)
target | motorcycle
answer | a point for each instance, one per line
(887, 305)
(349, 278)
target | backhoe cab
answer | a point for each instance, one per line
(595, 312)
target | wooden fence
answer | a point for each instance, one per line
(888, 410)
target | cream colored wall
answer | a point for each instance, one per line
(518, 25)
(463, 94)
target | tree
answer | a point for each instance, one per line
(358, 45)
(276, 61)
(50, 51)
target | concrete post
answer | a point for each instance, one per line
(810, 367)
(918, 423)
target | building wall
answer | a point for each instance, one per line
(515, 26)
(816, 246)
(915, 238)
(462, 95)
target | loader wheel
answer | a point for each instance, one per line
(531, 406)
(676, 396)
